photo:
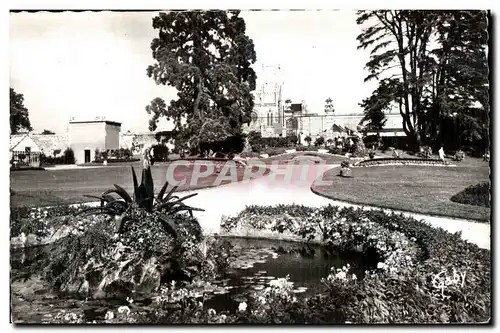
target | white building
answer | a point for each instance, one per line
(267, 116)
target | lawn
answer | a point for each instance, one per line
(425, 190)
(44, 188)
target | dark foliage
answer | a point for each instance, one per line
(207, 57)
(477, 195)
(401, 161)
(320, 141)
(19, 115)
(160, 153)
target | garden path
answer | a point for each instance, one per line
(274, 189)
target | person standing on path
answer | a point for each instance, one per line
(441, 154)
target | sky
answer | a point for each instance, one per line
(90, 64)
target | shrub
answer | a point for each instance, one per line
(69, 156)
(293, 139)
(249, 154)
(306, 148)
(160, 153)
(459, 156)
(400, 161)
(477, 195)
(278, 142)
(275, 151)
(308, 139)
(254, 139)
(371, 140)
(335, 150)
(425, 152)
(371, 154)
(320, 141)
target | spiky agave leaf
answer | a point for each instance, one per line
(162, 191)
(171, 204)
(172, 190)
(147, 184)
(183, 207)
(168, 224)
(104, 198)
(122, 193)
(137, 195)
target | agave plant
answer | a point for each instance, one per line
(123, 209)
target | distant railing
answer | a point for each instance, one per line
(25, 158)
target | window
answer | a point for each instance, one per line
(27, 150)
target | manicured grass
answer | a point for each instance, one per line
(35, 188)
(420, 189)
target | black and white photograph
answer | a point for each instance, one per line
(250, 166)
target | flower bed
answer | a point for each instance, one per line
(401, 161)
(423, 274)
(39, 226)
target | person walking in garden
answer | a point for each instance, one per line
(441, 154)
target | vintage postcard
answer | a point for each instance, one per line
(250, 167)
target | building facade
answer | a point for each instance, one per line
(85, 137)
(268, 116)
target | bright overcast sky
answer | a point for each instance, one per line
(94, 64)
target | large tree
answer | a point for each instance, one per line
(459, 90)
(434, 62)
(375, 106)
(206, 56)
(19, 115)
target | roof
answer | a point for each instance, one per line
(16, 140)
(337, 128)
(49, 142)
(114, 123)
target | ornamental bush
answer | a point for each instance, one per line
(320, 141)
(477, 195)
(459, 156)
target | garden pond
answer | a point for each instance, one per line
(254, 263)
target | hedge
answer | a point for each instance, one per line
(477, 195)
(401, 161)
